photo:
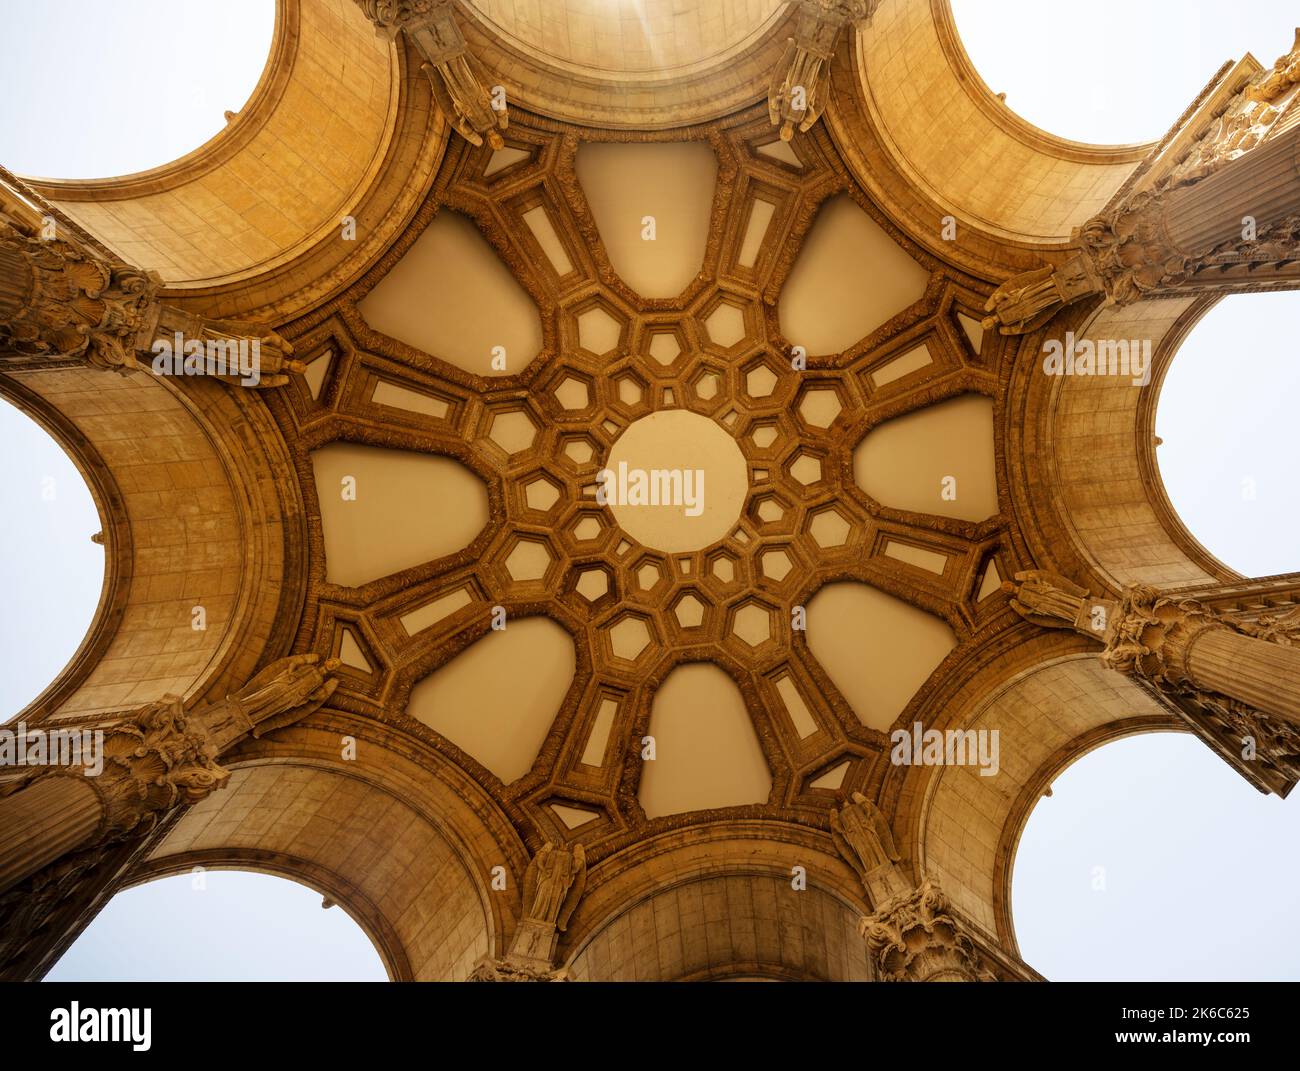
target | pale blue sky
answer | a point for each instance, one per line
(1181, 837)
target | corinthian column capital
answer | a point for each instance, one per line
(915, 938)
(1151, 635)
(1235, 680)
(60, 298)
(128, 772)
(1214, 208)
(68, 301)
(156, 758)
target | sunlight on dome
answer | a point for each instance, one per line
(1141, 845)
(238, 926)
(627, 34)
(1131, 68)
(49, 517)
(1230, 477)
(103, 115)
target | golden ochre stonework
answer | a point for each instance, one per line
(448, 674)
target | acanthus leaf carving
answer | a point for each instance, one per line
(78, 304)
(915, 938)
(59, 299)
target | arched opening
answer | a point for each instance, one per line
(1224, 419)
(210, 54)
(1152, 861)
(221, 925)
(54, 573)
(1136, 69)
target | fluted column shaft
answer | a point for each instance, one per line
(44, 821)
(1264, 184)
(1263, 675)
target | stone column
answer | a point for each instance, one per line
(1263, 675)
(53, 817)
(1178, 642)
(1212, 214)
(1242, 676)
(912, 934)
(134, 769)
(16, 284)
(130, 772)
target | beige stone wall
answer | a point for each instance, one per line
(192, 517)
(591, 62)
(1100, 457)
(653, 36)
(184, 535)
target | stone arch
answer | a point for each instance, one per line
(290, 258)
(964, 827)
(1102, 512)
(414, 877)
(394, 765)
(613, 91)
(205, 521)
(356, 904)
(1013, 189)
(716, 901)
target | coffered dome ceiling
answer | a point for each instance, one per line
(580, 301)
(644, 470)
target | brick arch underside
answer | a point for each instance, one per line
(729, 926)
